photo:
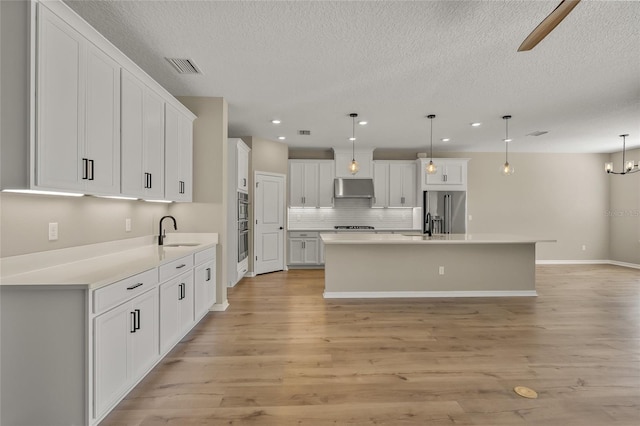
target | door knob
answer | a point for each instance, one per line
(281, 227)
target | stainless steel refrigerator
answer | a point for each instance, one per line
(444, 212)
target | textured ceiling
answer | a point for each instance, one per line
(312, 63)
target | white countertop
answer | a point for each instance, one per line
(417, 238)
(97, 265)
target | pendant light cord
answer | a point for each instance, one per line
(353, 137)
(506, 152)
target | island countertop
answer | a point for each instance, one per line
(416, 238)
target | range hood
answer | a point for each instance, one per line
(353, 188)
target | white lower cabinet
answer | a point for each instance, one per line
(204, 288)
(304, 248)
(176, 309)
(125, 348)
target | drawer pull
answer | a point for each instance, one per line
(208, 274)
(135, 286)
(181, 266)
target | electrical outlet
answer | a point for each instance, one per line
(53, 231)
(470, 218)
(441, 270)
(127, 224)
(584, 247)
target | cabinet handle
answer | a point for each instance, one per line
(91, 169)
(133, 322)
(244, 182)
(401, 200)
(85, 171)
(134, 286)
(181, 266)
(304, 245)
(208, 274)
(150, 181)
(137, 326)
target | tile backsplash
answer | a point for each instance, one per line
(354, 212)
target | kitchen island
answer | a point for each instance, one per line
(369, 265)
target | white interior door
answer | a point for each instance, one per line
(269, 223)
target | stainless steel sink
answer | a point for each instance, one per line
(181, 245)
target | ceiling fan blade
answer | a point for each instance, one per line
(548, 24)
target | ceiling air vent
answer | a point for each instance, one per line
(538, 133)
(304, 132)
(184, 66)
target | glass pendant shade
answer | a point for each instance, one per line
(431, 168)
(627, 166)
(608, 167)
(354, 167)
(507, 169)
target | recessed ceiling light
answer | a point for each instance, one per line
(476, 124)
(281, 138)
(352, 139)
(362, 123)
(445, 139)
(276, 121)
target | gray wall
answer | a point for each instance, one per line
(624, 212)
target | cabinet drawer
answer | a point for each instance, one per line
(204, 255)
(302, 234)
(107, 297)
(175, 267)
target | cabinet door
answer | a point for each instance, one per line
(409, 187)
(454, 173)
(111, 334)
(133, 177)
(60, 106)
(296, 251)
(311, 256)
(170, 293)
(178, 155)
(381, 184)
(311, 184)
(326, 176)
(320, 251)
(153, 145)
(102, 123)
(438, 178)
(243, 167)
(144, 341)
(296, 184)
(186, 303)
(204, 287)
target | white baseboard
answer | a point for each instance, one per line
(588, 262)
(397, 294)
(250, 275)
(220, 307)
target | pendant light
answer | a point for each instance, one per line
(431, 167)
(627, 166)
(506, 169)
(354, 167)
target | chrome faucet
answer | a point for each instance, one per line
(162, 234)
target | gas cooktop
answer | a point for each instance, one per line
(353, 227)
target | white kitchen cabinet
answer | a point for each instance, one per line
(243, 166)
(394, 184)
(78, 111)
(304, 248)
(343, 158)
(204, 282)
(402, 184)
(176, 309)
(178, 155)
(311, 183)
(142, 139)
(125, 348)
(451, 174)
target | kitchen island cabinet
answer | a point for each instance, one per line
(453, 265)
(81, 331)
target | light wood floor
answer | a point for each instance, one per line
(282, 355)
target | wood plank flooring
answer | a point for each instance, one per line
(283, 355)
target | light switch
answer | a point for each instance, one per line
(127, 224)
(53, 231)
(441, 270)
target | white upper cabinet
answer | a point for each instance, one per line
(394, 183)
(142, 140)
(311, 183)
(243, 166)
(78, 111)
(343, 158)
(178, 155)
(402, 184)
(451, 174)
